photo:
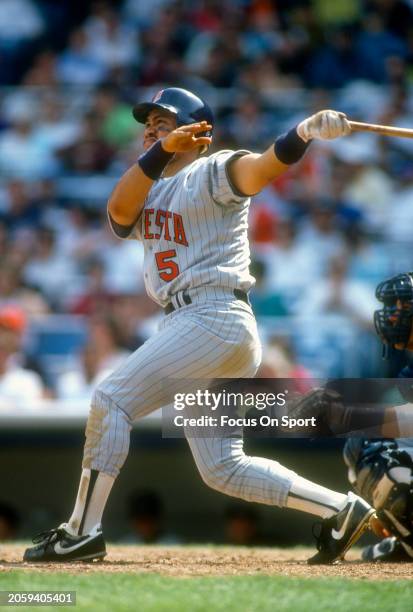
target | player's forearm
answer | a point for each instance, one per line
(375, 421)
(127, 199)
(398, 422)
(391, 422)
(251, 173)
(343, 416)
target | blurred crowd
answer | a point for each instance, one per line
(322, 236)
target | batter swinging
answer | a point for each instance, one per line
(190, 212)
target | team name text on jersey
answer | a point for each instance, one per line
(164, 223)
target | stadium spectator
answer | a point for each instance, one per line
(252, 122)
(18, 386)
(262, 35)
(117, 126)
(22, 156)
(20, 210)
(123, 260)
(321, 229)
(264, 75)
(291, 265)
(4, 239)
(280, 361)
(146, 515)
(137, 318)
(110, 40)
(368, 261)
(361, 182)
(95, 298)
(241, 526)
(20, 21)
(84, 234)
(143, 14)
(334, 63)
(13, 290)
(374, 46)
(264, 301)
(101, 354)
(42, 71)
(54, 275)
(54, 129)
(401, 217)
(337, 295)
(76, 66)
(9, 522)
(89, 153)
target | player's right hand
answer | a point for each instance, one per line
(324, 125)
(184, 138)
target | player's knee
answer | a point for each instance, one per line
(105, 412)
(107, 435)
(224, 472)
(209, 477)
(99, 410)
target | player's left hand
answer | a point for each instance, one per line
(324, 125)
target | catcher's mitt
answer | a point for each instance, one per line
(323, 404)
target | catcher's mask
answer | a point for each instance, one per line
(393, 322)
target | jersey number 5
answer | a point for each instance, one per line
(168, 268)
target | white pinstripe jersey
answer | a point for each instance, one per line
(194, 231)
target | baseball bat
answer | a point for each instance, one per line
(385, 130)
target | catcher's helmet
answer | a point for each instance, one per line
(394, 321)
(187, 107)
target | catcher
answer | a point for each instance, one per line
(380, 464)
(381, 470)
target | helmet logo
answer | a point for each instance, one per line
(158, 95)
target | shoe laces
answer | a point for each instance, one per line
(48, 536)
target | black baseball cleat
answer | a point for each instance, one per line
(341, 531)
(59, 545)
(389, 550)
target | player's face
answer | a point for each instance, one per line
(158, 125)
(394, 318)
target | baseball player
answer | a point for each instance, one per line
(190, 212)
(381, 470)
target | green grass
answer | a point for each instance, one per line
(153, 593)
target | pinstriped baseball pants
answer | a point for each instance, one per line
(207, 340)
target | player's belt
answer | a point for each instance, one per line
(185, 299)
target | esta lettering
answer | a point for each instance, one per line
(164, 223)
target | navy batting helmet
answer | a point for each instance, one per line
(394, 321)
(187, 107)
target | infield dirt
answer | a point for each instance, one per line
(212, 561)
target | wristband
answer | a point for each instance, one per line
(289, 148)
(153, 162)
